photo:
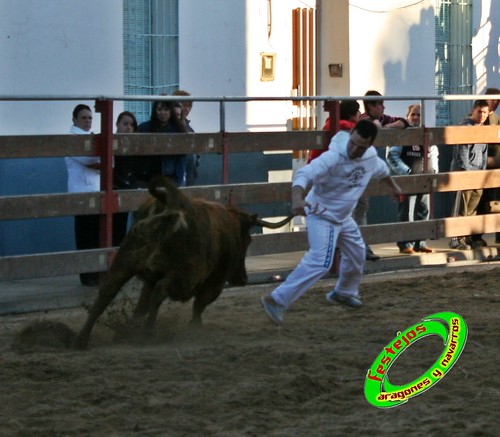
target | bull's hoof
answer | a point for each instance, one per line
(195, 323)
(80, 343)
(149, 332)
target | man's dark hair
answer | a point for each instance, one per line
(79, 108)
(479, 104)
(348, 108)
(366, 129)
(492, 91)
(371, 102)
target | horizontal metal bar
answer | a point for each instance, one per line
(149, 98)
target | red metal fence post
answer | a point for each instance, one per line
(104, 148)
(333, 107)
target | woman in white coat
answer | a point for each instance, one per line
(84, 176)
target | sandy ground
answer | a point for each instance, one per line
(239, 375)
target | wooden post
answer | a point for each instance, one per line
(104, 148)
(333, 106)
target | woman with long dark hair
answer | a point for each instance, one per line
(164, 120)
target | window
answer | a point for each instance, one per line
(453, 58)
(151, 51)
(304, 83)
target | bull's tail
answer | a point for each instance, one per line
(164, 190)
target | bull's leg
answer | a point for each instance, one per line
(144, 303)
(107, 292)
(157, 296)
(206, 295)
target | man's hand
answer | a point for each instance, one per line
(396, 190)
(298, 207)
(298, 202)
(397, 193)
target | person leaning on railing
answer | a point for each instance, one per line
(374, 111)
(164, 120)
(410, 160)
(84, 176)
(491, 196)
(124, 177)
(467, 157)
(193, 159)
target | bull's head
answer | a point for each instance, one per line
(239, 276)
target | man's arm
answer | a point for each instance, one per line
(395, 163)
(391, 183)
(298, 202)
(462, 156)
(400, 124)
(394, 122)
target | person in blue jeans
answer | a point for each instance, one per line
(410, 160)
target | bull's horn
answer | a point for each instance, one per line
(263, 223)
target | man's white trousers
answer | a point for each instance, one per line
(323, 237)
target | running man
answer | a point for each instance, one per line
(338, 178)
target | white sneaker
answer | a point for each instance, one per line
(273, 310)
(350, 301)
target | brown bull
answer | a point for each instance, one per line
(180, 248)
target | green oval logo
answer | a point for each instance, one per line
(449, 326)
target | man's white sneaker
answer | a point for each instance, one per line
(349, 301)
(273, 310)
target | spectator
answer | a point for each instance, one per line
(348, 116)
(410, 160)
(163, 119)
(328, 209)
(123, 174)
(83, 176)
(193, 159)
(374, 111)
(470, 157)
(491, 194)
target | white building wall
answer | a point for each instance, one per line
(392, 51)
(57, 47)
(270, 115)
(486, 45)
(225, 59)
(333, 41)
(212, 58)
(52, 48)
